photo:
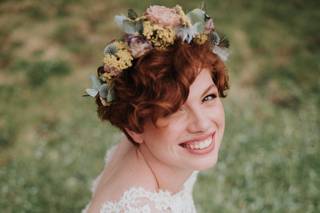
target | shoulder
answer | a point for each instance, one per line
(113, 185)
(111, 200)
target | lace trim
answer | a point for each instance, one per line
(133, 201)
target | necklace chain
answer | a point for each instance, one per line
(155, 177)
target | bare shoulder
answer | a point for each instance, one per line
(124, 172)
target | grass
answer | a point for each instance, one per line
(52, 144)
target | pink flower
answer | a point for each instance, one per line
(138, 46)
(209, 26)
(163, 16)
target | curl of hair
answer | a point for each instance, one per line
(158, 84)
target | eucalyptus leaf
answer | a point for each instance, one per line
(129, 27)
(139, 27)
(92, 92)
(132, 14)
(196, 15)
(103, 91)
(187, 33)
(119, 20)
(223, 53)
(95, 83)
(203, 5)
(215, 38)
(110, 96)
(110, 49)
(199, 27)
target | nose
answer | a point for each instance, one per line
(199, 122)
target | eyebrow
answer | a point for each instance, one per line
(207, 90)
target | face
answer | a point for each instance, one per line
(190, 138)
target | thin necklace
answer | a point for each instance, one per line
(155, 177)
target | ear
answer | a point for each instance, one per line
(137, 137)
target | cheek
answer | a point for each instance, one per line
(219, 119)
(217, 114)
(166, 136)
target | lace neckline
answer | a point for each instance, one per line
(138, 191)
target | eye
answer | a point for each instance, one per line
(209, 97)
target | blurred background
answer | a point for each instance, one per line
(52, 144)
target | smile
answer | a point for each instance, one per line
(200, 146)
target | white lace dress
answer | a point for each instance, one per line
(140, 200)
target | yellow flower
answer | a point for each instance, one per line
(109, 73)
(121, 59)
(184, 19)
(201, 38)
(161, 37)
(120, 45)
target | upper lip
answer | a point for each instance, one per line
(199, 138)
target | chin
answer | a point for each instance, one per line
(204, 164)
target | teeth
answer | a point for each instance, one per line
(200, 144)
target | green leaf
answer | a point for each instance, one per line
(95, 83)
(119, 20)
(196, 15)
(129, 27)
(132, 14)
(92, 92)
(139, 27)
(203, 5)
(199, 27)
(103, 91)
(111, 49)
(110, 96)
(215, 38)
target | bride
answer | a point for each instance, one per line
(161, 85)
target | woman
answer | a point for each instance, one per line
(161, 86)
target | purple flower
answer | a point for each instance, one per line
(138, 45)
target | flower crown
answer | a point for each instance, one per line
(158, 28)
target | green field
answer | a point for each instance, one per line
(52, 144)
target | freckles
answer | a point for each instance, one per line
(216, 115)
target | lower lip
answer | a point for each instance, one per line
(207, 150)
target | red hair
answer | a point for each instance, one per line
(158, 84)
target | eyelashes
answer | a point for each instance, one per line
(209, 97)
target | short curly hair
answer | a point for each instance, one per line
(158, 84)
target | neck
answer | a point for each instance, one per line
(166, 176)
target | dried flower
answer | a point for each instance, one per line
(121, 59)
(185, 21)
(201, 38)
(138, 45)
(160, 37)
(109, 73)
(163, 16)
